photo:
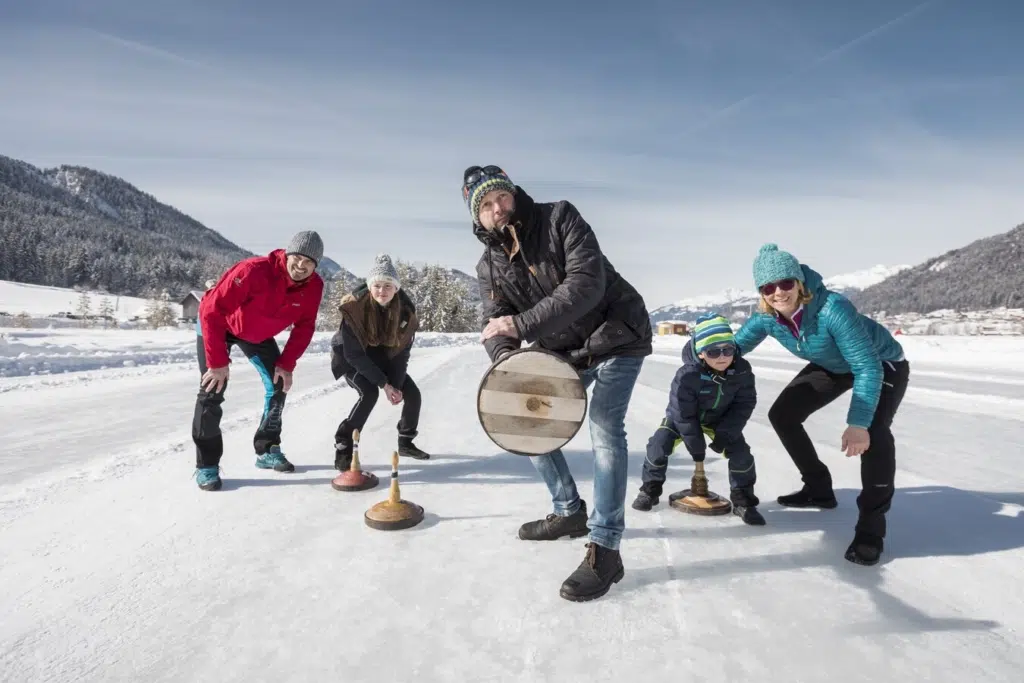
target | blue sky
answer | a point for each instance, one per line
(687, 133)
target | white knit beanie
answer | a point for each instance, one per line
(383, 271)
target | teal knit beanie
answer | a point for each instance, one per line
(772, 265)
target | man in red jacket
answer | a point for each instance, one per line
(255, 300)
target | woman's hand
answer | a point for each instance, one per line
(856, 440)
(394, 395)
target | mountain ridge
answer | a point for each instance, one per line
(74, 226)
(985, 274)
(738, 303)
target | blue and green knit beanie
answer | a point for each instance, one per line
(772, 265)
(711, 329)
(488, 178)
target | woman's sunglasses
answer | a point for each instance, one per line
(784, 285)
(719, 351)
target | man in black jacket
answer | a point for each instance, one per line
(544, 280)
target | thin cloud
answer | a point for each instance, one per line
(373, 157)
(743, 102)
(146, 49)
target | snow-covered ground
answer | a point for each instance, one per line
(55, 351)
(116, 567)
(42, 301)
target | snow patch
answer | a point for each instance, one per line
(65, 350)
(44, 301)
(862, 279)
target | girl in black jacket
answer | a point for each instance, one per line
(371, 351)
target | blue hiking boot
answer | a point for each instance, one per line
(274, 460)
(208, 478)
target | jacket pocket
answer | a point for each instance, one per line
(610, 335)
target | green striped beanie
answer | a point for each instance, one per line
(712, 329)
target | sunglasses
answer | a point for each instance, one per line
(719, 351)
(784, 285)
(474, 174)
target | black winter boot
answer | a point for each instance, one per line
(407, 449)
(744, 505)
(865, 549)
(749, 515)
(645, 501)
(599, 570)
(343, 456)
(554, 527)
(804, 499)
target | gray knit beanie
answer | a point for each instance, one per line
(383, 271)
(306, 243)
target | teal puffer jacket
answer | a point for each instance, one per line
(836, 337)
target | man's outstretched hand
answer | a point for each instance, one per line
(500, 327)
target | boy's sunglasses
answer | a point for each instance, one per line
(784, 285)
(718, 351)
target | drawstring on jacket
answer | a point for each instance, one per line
(490, 272)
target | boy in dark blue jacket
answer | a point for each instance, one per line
(713, 393)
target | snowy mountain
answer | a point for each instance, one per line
(738, 303)
(332, 271)
(985, 274)
(77, 227)
(862, 279)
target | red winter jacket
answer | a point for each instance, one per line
(256, 300)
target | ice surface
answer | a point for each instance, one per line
(116, 567)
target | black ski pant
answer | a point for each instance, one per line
(664, 441)
(206, 421)
(368, 395)
(814, 388)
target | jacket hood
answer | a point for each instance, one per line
(814, 284)
(690, 354)
(524, 207)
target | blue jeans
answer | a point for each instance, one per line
(613, 380)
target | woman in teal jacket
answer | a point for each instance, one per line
(845, 350)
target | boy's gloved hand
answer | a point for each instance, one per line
(716, 445)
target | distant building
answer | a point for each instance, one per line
(190, 305)
(672, 327)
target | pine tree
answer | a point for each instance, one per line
(329, 317)
(409, 276)
(84, 308)
(107, 312)
(158, 310)
(442, 301)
